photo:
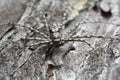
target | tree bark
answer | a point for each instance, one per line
(76, 40)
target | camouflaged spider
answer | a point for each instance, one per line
(55, 37)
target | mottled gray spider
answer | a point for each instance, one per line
(54, 38)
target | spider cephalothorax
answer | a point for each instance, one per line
(55, 37)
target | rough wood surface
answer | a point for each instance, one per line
(77, 40)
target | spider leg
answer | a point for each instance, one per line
(88, 37)
(46, 21)
(73, 31)
(79, 40)
(94, 36)
(40, 40)
(32, 29)
(36, 38)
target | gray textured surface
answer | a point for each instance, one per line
(99, 61)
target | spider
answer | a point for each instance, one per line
(54, 38)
